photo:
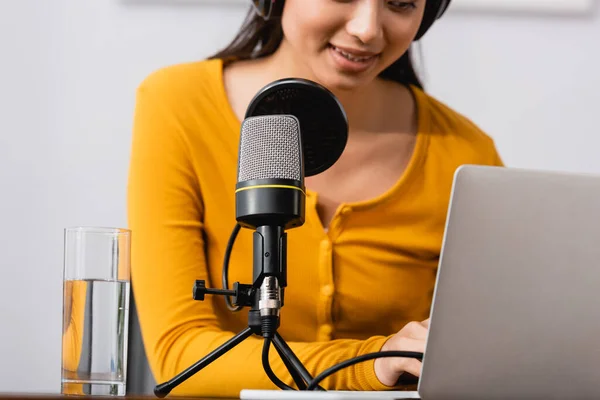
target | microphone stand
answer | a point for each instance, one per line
(265, 299)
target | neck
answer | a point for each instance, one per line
(367, 107)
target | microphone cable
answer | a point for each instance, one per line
(269, 370)
(365, 357)
(314, 384)
(225, 270)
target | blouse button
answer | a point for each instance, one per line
(327, 290)
(326, 330)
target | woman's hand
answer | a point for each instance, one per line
(410, 338)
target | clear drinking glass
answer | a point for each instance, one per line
(95, 311)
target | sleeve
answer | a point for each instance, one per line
(165, 213)
(498, 160)
(76, 302)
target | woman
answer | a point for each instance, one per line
(361, 270)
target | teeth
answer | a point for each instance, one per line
(350, 56)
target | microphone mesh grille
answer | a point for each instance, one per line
(270, 148)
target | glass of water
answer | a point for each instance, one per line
(95, 311)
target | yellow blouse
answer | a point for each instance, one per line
(349, 288)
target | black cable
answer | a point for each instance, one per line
(289, 364)
(267, 367)
(356, 360)
(225, 271)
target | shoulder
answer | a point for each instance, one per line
(457, 132)
(190, 97)
(185, 81)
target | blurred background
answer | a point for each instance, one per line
(528, 75)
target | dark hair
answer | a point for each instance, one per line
(259, 38)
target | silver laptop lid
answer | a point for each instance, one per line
(516, 311)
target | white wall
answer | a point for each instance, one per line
(530, 81)
(68, 73)
(31, 185)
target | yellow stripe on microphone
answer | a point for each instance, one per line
(270, 187)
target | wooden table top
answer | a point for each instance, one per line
(41, 396)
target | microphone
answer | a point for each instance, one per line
(270, 198)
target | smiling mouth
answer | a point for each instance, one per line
(353, 57)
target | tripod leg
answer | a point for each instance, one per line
(165, 388)
(291, 361)
(290, 367)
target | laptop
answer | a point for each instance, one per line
(516, 309)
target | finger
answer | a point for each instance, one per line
(416, 330)
(425, 323)
(409, 344)
(406, 364)
(410, 365)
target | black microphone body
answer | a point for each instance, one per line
(270, 201)
(270, 206)
(270, 198)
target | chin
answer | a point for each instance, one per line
(337, 82)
